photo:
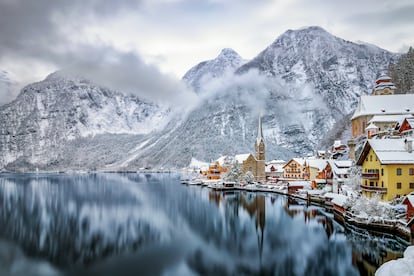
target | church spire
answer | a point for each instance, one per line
(259, 146)
(259, 131)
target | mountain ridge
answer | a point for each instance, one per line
(304, 83)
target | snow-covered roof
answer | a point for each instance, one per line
(388, 118)
(277, 162)
(410, 198)
(277, 167)
(384, 84)
(223, 159)
(343, 163)
(337, 199)
(197, 164)
(340, 167)
(389, 151)
(371, 126)
(337, 143)
(383, 78)
(301, 161)
(240, 158)
(299, 183)
(410, 121)
(385, 104)
(320, 164)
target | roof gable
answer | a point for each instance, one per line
(298, 161)
(388, 151)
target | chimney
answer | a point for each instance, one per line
(408, 143)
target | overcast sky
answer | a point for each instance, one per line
(148, 45)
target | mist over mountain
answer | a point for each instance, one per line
(226, 62)
(304, 84)
(7, 87)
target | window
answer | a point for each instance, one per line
(371, 183)
(411, 171)
(411, 185)
(376, 184)
(382, 183)
(382, 172)
(399, 171)
(366, 183)
(398, 185)
(370, 158)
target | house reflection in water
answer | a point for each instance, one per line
(294, 208)
(255, 206)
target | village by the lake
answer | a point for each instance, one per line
(372, 190)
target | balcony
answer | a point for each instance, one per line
(370, 175)
(381, 190)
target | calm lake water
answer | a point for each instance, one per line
(150, 224)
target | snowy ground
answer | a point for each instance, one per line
(400, 267)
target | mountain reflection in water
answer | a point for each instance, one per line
(130, 224)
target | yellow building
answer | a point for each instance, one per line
(387, 168)
(294, 169)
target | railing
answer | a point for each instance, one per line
(381, 190)
(370, 175)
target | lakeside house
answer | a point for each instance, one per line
(409, 201)
(387, 168)
(274, 170)
(294, 169)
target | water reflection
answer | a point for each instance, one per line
(128, 224)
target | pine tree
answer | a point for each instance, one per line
(234, 174)
(402, 73)
(249, 177)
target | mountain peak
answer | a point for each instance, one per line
(227, 61)
(229, 53)
(61, 75)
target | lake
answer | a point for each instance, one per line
(150, 224)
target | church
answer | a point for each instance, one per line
(255, 163)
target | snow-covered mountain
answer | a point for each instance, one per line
(226, 62)
(336, 69)
(49, 115)
(304, 84)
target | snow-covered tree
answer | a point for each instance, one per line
(235, 173)
(370, 208)
(249, 177)
(402, 73)
(354, 179)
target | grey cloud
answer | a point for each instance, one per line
(36, 30)
(390, 17)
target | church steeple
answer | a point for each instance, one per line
(259, 146)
